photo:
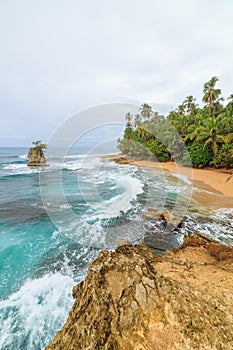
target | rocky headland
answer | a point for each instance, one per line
(133, 298)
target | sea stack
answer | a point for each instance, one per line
(36, 155)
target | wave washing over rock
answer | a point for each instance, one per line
(135, 299)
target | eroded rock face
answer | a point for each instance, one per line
(36, 157)
(135, 299)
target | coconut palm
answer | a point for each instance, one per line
(128, 118)
(228, 138)
(230, 98)
(157, 118)
(137, 120)
(229, 108)
(146, 111)
(210, 134)
(193, 133)
(211, 96)
(190, 104)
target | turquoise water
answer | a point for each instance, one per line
(44, 253)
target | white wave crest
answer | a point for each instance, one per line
(72, 166)
(23, 156)
(19, 169)
(30, 317)
(122, 202)
(15, 166)
(74, 156)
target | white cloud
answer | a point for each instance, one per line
(58, 57)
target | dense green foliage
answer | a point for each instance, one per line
(40, 146)
(224, 158)
(197, 155)
(190, 134)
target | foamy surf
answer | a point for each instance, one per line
(120, 203)
(18, 169)
(31, 315)
(23, 156)
(107, 200)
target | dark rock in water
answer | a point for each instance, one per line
(121, 161)
(135, 299)
(36, 157)
(161, 241)
(171, 218)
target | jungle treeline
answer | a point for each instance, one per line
(192, 135)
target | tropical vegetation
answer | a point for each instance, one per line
(39, 145)
(193, 135)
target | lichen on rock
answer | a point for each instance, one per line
(135, 299)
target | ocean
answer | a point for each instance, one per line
(47, 239)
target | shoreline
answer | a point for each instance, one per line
(218, 189)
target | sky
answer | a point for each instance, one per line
(60, 57)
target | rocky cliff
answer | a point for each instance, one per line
(36, 157)
(135, 299)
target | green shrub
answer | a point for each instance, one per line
(133, 148)
(224, 157)
(138, 150)
(198, 156)
(156, 150)
(124, 145)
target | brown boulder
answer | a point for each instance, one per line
(170, 217)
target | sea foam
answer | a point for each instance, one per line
(30, 317)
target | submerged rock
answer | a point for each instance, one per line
(135, 299)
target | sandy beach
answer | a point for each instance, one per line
(217, 182)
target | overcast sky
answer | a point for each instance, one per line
(59, 57)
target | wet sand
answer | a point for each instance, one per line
(216, 183)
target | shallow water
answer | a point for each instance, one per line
(46, 244)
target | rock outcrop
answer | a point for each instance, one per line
(135, 299)
(36, 157)
(170, 217)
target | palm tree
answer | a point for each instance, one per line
(225, 121)
(141, 133)
(181, 109)
(229, 107)
(192, 133)
(211, 95)
(210, 134)
(179, 119)
(190, 104)
(137, 120)
(228, 138)
(157, 118)
(230, 98)
(128, 118)
(173, 142)
(146, 111)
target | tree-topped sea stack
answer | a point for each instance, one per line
(36, 154)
